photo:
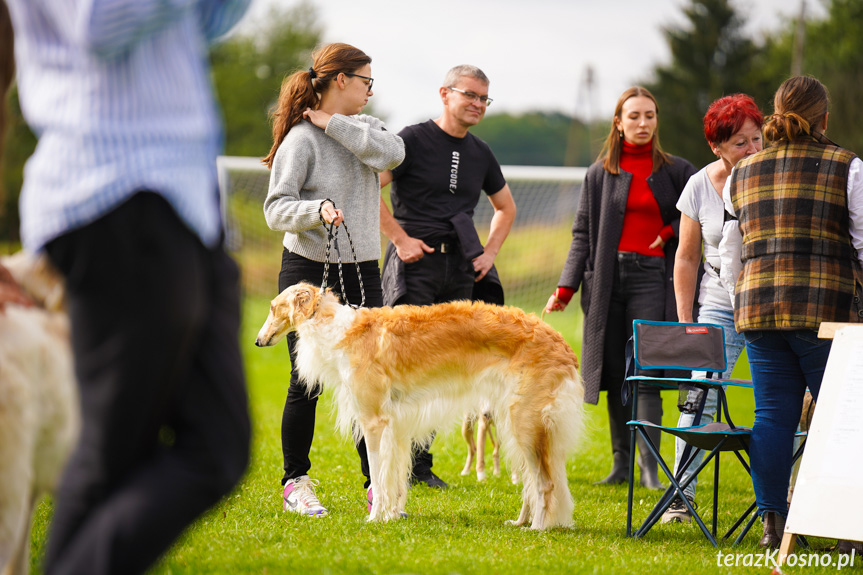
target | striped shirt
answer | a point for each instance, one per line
(119, 95)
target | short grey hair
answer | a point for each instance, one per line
(452, 77)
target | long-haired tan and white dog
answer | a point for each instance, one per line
(400, 373)
(39, 416)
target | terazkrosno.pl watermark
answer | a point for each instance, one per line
(771, 559)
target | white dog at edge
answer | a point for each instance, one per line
(400, 373)
(39, 413)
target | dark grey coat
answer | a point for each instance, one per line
(595, 237)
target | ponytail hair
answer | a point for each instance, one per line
(799, 106)
(303, 88)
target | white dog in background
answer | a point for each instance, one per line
(400, 373)
(39, 417)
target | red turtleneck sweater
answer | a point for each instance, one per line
(642, 221)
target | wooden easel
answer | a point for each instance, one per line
(814, 509)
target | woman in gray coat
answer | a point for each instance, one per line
(622, 258)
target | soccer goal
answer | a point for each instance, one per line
(529, 263)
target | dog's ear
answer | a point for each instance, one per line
(305, 301)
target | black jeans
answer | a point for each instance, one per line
(638, 292)
(165, 427)
(438, 278)
(298, 418)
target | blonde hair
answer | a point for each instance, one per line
(799, 106)
(612, 148)
(303, 88)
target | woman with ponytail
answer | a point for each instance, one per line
(799, 204)
(622, 257)
(324, 169)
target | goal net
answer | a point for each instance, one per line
(529, 263)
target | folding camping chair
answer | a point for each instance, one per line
(658, 346)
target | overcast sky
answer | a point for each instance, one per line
(535, 52)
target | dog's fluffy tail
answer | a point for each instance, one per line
(564, 420)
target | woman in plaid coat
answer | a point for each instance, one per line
(793, 201)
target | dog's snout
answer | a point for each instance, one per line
(258, 343)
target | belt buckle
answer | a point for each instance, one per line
(445, 247)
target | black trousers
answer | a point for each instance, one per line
(438, 278)
(154, 327)
(298, 417)
(638, 292)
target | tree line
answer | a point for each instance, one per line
(711, 56)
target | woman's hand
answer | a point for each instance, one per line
(658, 243)
(330, 214)
(317, 117)
(554, 304)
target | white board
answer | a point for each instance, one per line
(828, 495)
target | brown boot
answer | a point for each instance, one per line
(774, 528)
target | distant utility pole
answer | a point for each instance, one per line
(584, 111)
(799, 41)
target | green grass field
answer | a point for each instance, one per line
(460, 530)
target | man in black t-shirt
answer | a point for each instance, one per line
(435, 254)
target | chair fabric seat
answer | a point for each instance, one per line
(707, 436)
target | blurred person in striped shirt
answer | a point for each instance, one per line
(121, 193)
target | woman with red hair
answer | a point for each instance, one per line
(732, 126)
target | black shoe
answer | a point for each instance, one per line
(431, 480)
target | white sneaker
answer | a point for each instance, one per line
(299, 496)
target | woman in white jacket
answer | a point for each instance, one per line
(325, 164)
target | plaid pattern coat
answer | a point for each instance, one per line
(792, 204)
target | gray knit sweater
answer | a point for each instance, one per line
(342, 164)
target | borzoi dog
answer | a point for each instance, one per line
(39, 417)
(400, 373)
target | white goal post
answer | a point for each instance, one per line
(529, 263)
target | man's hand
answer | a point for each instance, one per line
(412, 250)
(482, 265)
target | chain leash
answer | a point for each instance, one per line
(333, 240)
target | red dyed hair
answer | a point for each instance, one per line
(726, 116)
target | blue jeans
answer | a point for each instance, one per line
(783, 364)
(734, 343)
